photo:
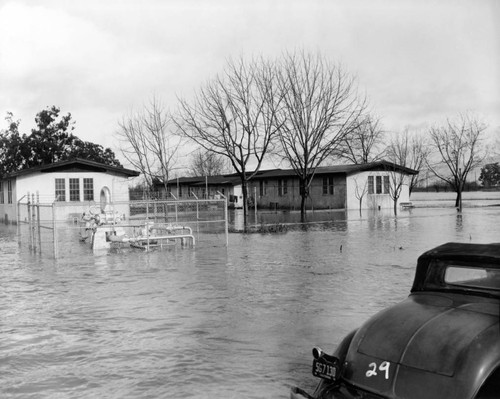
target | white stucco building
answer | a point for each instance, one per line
(71, 186)
(376, 189)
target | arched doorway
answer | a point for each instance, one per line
(105, 198)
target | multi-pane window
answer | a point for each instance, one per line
(379, 184)
(1, 192)
(60, 190)
(9, 191)
(74, 189)
(282, 187)
(328, 185)
(88, 189)
(262, 188)
(386, 184)
(370, 185)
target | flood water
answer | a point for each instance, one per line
(209, 321)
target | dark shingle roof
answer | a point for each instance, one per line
(76, 163)
(270, 173)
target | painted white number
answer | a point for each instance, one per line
(385, 367)
(372, 369)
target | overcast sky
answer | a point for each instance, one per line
(418, 61)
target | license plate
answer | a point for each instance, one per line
(325, 369)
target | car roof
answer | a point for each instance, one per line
(464, 251)
(474, 255)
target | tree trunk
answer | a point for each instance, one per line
(304, 192)
(458, 201)
(395, 206)
(244, 190)
(303, 208)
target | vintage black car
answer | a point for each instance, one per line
(442, 342)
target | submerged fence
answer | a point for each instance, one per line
(62, 228)
(33, 215)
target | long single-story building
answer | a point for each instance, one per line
(72, 186)
(360, 186)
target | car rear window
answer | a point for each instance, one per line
(473, 277)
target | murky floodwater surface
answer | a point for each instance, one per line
(207, 322)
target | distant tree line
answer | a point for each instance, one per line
(50, 141)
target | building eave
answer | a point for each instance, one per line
(234, 179)
(63, 166)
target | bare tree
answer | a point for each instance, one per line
(234, 115)
(206, 163)
(148, 144)
(411, 150)
(406, 152)
(458, 145)
(398, 155)
(363, 144)
(320, 109)
(360, 191)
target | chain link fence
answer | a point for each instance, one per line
(63, 229)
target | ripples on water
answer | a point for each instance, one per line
(207, 322)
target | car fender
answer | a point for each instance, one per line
(344, 345)
(481, 359)
(324, 387)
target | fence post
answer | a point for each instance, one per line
(54, 230)
(226, 222)
(38, 222)
(29, 222)
(255, 204)
(19, 216)
(197, 215)
(33, 222)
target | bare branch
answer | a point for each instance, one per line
(147, 142)
(458, 147)
(234, 115)
(321, 108)
(363, 144)
(206, 163)
(410, 150)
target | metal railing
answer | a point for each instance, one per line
(66, 221)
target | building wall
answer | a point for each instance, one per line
(44, 185)
(357, 186)
(335, 191)
(8, 204)
(185, 191)
(285, 192)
